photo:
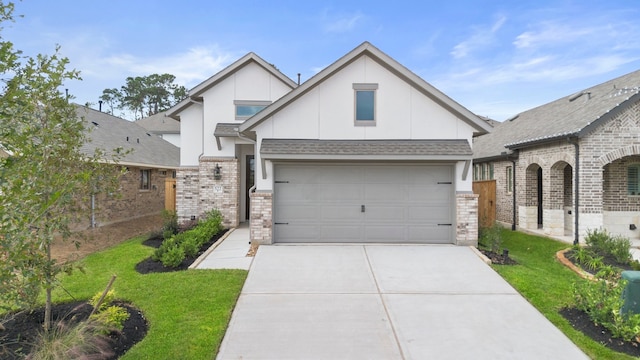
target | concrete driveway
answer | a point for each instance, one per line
(384, 302)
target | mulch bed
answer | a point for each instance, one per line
(22, 330)
(581, 321)
(607, 260)
(148, 265)
(498, 259)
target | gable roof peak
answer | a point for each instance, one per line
(195, 94)
(368, 49)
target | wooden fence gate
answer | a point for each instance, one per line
(170, 194)
(486, 202)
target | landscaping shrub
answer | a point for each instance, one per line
(190, 247)
(173, 257)
(620, 249)
(602, 249)
(169, 223)
(602, 301)
(604, 244)
(175, 248)
(491, 237)
(109, 317)
(71, 341)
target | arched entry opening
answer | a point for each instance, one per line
(531, 216)
(559, 219)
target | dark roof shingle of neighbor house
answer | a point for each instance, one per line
(160, 123)
(570, 116)
(109, 132)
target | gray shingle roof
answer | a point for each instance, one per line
(160, 124)
(226, 130)
(573, 115)
(108, 132)
(349, 148)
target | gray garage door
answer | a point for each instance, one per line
(363, 203)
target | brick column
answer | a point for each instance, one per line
(467, 219)
(220, 194)
(261, 223)
(187, 193)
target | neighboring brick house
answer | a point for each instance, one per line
(574, 161)
(364, 151)
(149, 163)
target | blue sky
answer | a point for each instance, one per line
(496, 58)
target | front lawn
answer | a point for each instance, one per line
(188, 311)
(547, 284)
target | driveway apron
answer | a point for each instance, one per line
(384, 302)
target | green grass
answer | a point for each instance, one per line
(547, 284)
(188, 311)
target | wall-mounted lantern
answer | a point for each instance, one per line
(217, 172)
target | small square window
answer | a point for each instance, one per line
(145, 179)
(365, 104)
(247, 108)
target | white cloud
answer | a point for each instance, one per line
(481, 38)
(190, 67)
(341, 23)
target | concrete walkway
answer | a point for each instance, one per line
(230, 253)
(384, 302)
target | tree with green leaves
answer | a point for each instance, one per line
(144, 95)
(45, 176)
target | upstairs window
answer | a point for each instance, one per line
(365, 104)
(247, 108)
(633, 179)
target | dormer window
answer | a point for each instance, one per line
(247, 108)
(365, 104)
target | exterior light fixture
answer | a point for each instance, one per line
(217, 172)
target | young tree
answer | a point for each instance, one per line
(45, 176)
(145, 95)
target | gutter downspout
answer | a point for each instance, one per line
(513, 193)
(576, 211)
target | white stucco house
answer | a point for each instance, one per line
(165, 127)
(364, 151)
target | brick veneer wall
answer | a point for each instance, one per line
(614, 185)
(467, 219)
(261, 224)
(604, 155)
(187, 193)
(557, 161)
(504, 198)
(220, 194)
(130, 201)
(199, 192)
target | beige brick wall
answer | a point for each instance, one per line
(197, 191)
(261, 224)
(222, 194)
(187, 193)
(466, 219)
